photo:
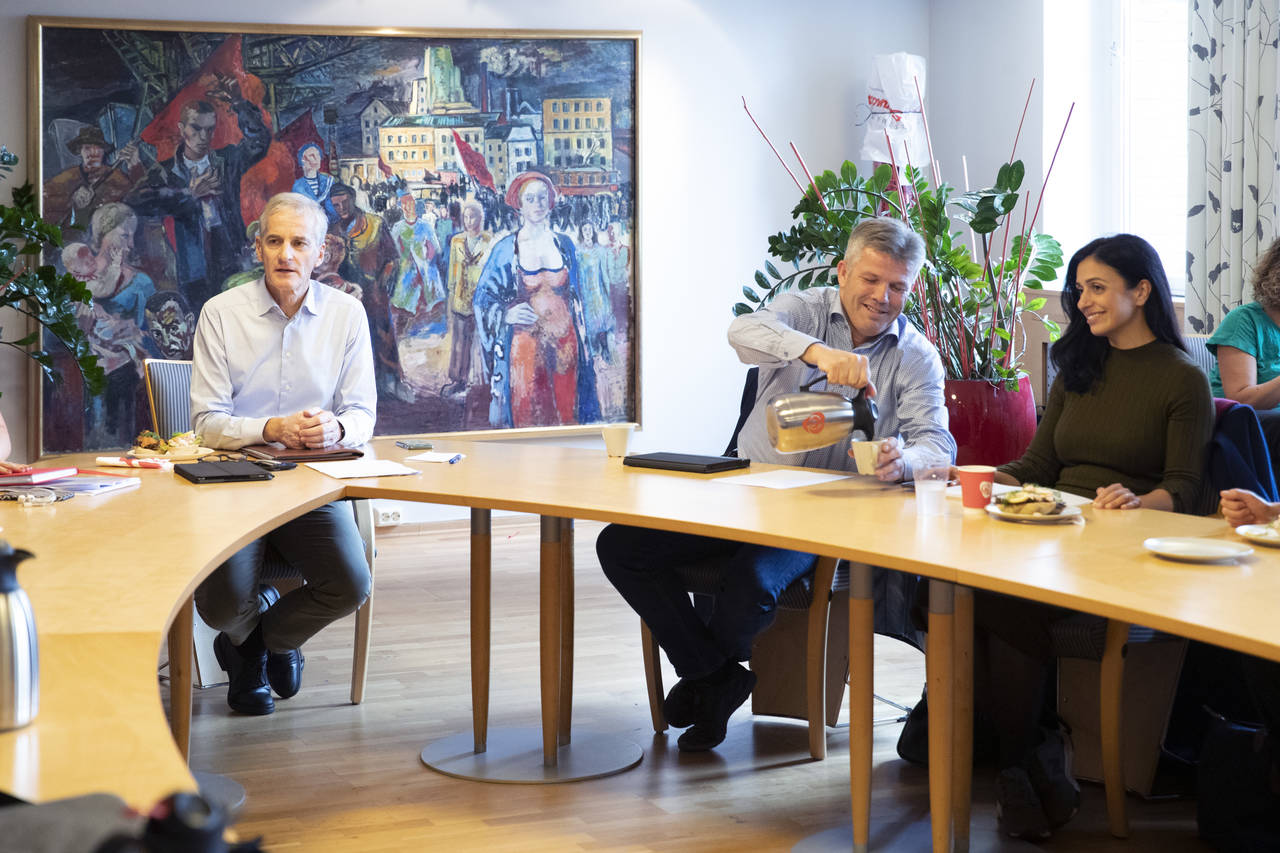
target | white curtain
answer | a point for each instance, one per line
(1231, 152)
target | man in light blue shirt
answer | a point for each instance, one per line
(857, 337)
(284, 359)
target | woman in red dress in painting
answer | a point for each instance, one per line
(529, 316)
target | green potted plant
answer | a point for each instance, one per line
(37, 290)
(971, 306)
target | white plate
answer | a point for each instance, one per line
(1263, 534)
(1192, 550)
(177, 455)
(1068, 514)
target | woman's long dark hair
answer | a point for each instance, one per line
(1079, 354)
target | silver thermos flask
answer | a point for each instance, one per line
(19, 655)
(807, 420)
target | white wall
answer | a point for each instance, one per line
(710, 190)
(983, 57)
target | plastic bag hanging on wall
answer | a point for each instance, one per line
(893, 107)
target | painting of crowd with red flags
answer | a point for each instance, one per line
(434, 158)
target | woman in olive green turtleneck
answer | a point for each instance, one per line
(1127, 423)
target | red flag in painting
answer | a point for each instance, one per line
(473, 162)
(277, 170)
(163, 132)
(299, 132)
(386, 170)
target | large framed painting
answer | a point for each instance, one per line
(435, 154)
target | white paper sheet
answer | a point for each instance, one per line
(345, 469)
(781, 479)
(437, 456)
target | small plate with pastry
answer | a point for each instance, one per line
(1032, 504)
(1263, 534)
(181, 447)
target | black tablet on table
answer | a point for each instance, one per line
(221, 472)
(690, 462)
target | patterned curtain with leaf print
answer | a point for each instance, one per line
(1231, 153)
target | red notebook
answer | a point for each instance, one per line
(36, 476)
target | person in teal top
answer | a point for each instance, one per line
(1247, 346)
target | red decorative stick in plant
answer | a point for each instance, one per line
(771, 148)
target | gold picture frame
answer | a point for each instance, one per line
(413, 128)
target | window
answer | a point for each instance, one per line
(565, 106)
(577, 124)
(599, 106)
(555, 124)
(555, 106)
(1124, 64)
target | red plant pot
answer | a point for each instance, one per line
(991, 425)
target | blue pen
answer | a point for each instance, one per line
(457, 457)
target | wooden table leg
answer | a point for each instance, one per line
(962, 732)
(181, 663)
(938, 667)
(481, 563)
(566, 630)
(861, 668)
(550, 609)
(511, 754)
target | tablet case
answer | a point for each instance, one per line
(685, 462)
(221, 472)
(306, 454)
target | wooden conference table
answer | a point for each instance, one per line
(111, 573)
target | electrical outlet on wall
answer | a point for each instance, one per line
(388, 517)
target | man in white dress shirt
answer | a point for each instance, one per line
(287, 360)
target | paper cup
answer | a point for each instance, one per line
(864, 454)
(616, 438)
(975, 484)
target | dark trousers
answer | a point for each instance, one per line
(1270, 421)
(641, 564)
(324, 545)
(1014, 661)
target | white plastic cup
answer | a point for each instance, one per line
(616, 438)
(931, 485)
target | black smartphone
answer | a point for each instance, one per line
(414, 444)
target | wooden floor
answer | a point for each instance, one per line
(325, 775)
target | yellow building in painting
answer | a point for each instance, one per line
(414, 145)
(577, 129)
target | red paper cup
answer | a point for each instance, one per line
(975, 484)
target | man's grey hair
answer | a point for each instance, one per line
(892, 237)
(298, 203)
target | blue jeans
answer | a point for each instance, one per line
(641, 563)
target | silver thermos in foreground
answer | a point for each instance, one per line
(19, 655)
(806, 420)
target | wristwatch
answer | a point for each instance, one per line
(342, 432)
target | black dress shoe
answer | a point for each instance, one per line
(284, 672)
(718, 697)
(678, 707)
(248, 692)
